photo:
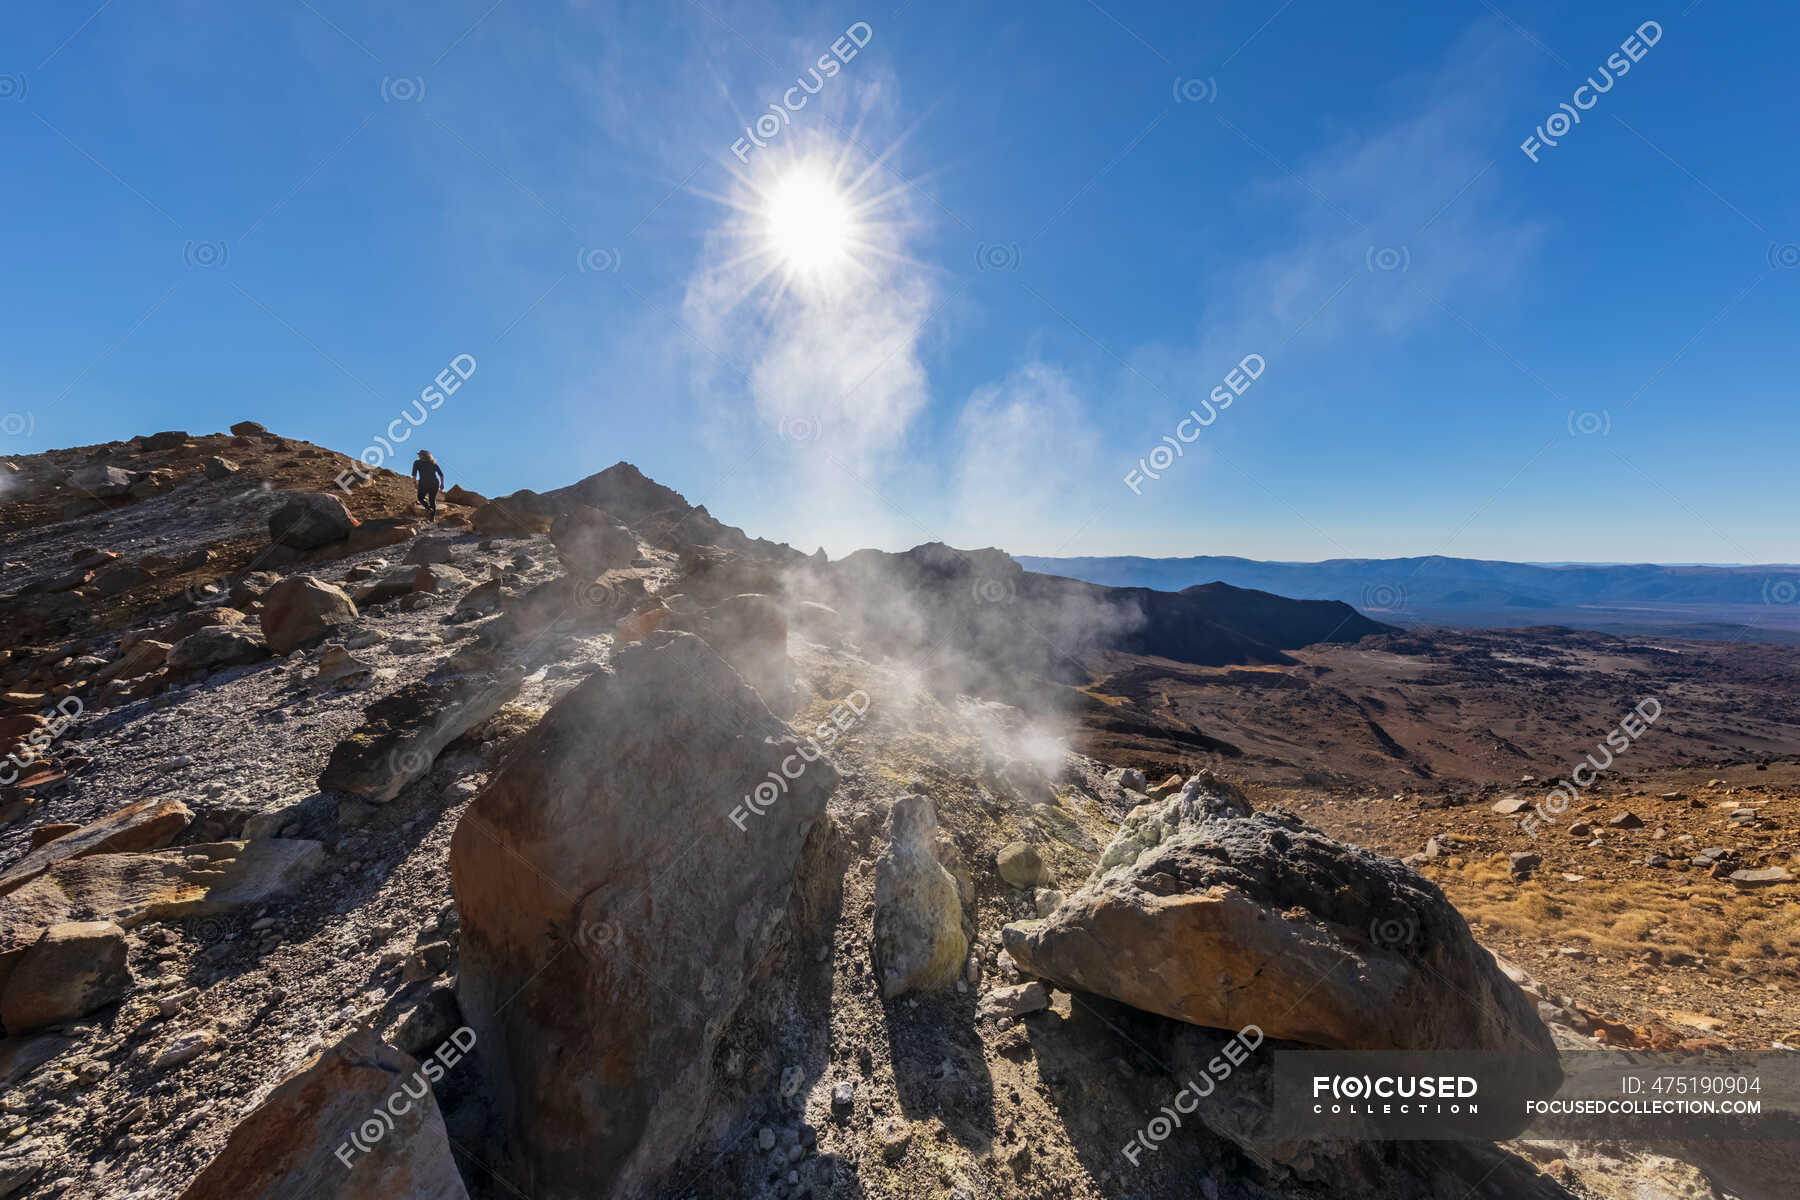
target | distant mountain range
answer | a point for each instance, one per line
(1701, 601)
(979, 607)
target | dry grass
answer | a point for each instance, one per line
(1683, 914)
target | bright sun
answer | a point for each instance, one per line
(809, 224)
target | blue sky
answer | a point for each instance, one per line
(1069, 223)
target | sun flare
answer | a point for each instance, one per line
(809, 225)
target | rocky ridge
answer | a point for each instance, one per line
(618, 869)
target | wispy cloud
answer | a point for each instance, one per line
(1025, 444)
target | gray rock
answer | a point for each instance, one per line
(589, 543)
(1207, 913)
(309, 520)
(1016, 1001)
(185, 1047)
(21, 1164)
(1021, 866)
(919, 943)
(602, 1078)
(215, 648)
(102, 481)
(431, 550)
(403, 733)
(338, 666)
(1761, 878)
(427, 962)
(302, 610)
(751, 632)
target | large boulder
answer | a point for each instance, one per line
(214, 648)
(404, 580)
(143, 658)
(403, 733)
(358, 1121)
(1021, 866)
(145, 825)
(391, 584)
(205, 879)
(589, 542)
(16, 729)
(378, 532)
(249, 428)
(751, 631)
(119, 578)
(497, 518)
(428, 550)
(302, 610)
(193, 622)
(920, 944)
(309, 520)
(619, 884)
(458, 494)
(169, 439)
(75, 968)
(101, 480)
(1202, 911)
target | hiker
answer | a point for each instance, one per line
(425, 469)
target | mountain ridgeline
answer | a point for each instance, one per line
(1642, 597)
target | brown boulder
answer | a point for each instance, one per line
(146, 825)
(215, 648)
(378, 532)
(309, 520)
(431, 550)
(143, 658)
(497, 519)
(48, 832)
(390, 585)
(1202, 911)
(458, 494)
(438, 578)
(619, 884)
(205, 879)
(357, 1121)
(188, 624)
(250, 587)
(155, 483)
(16, 729)
(403, 733)
(590, 542)
(302, 610)
(76, 968)
(172, 439)
(751, 631)
(248, 429)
